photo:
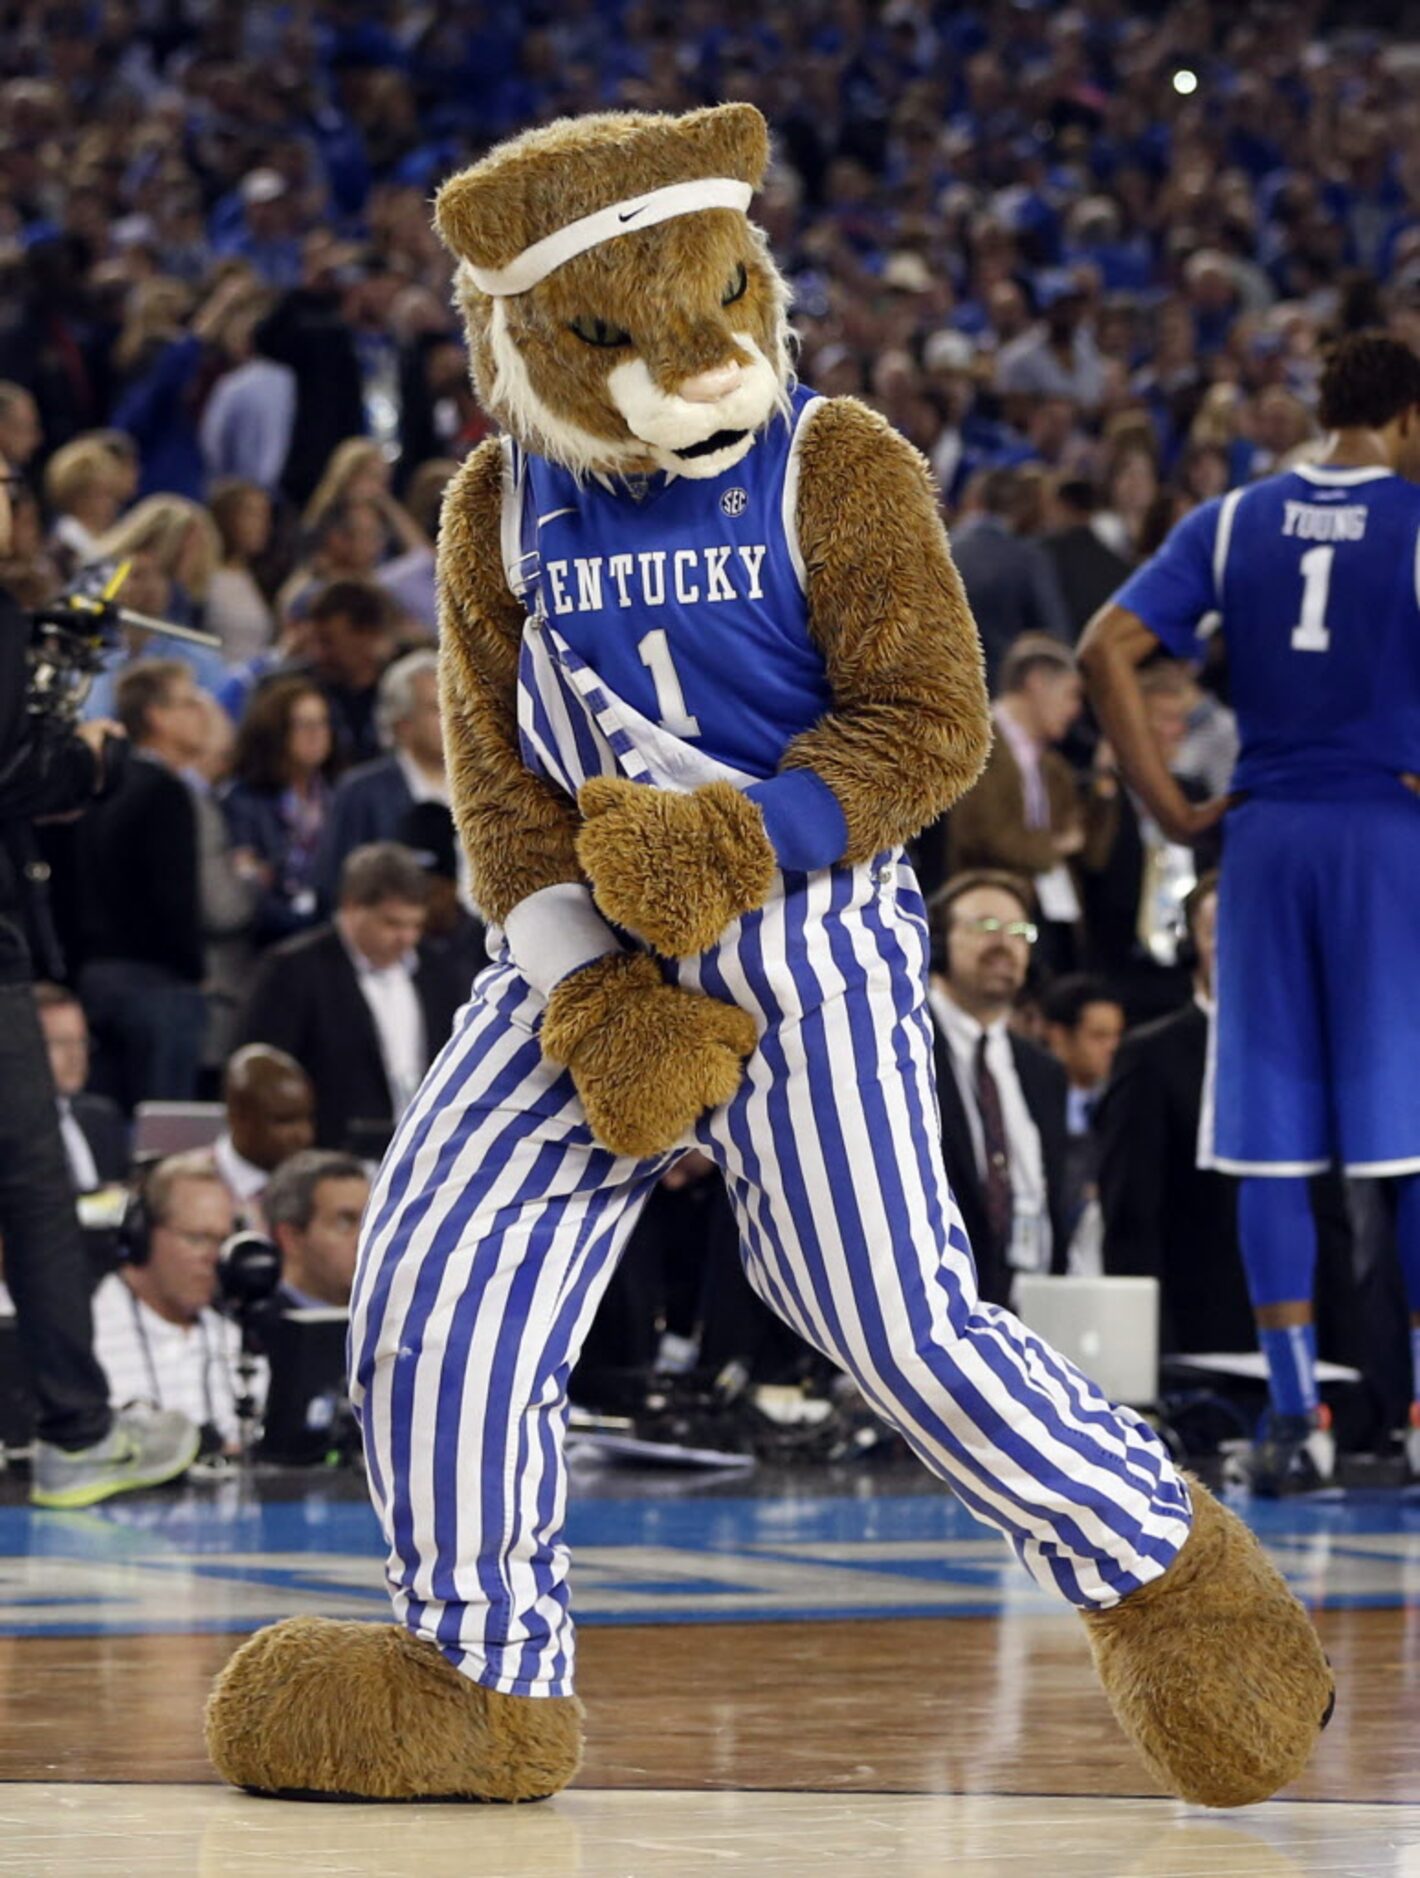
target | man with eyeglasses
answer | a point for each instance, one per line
(1003, 1100)
(156, 1333)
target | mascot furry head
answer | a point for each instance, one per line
(624, 315)
(740, 675)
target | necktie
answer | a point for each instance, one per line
(996, 1185)
(77, 1151)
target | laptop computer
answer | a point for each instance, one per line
(307, 1414)
(1107, 1327)
(163, 1128)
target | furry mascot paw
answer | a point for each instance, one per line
(1214, 1670)
(673, 869)
(647, 1058)
(314, 1708)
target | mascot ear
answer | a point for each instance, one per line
(548, 177)
(729, 140)
(481, 214)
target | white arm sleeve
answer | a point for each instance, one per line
(554, 932)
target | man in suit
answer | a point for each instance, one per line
(92, 1128)
(356, 1003)
(1084, 1022)
(352, 641)
(1088, 571)
(1002, 1099)
(452, 935)
(1134, 891)
(1164, 1216)
(270, 1116)
(1009, 579)
(141, 895)
(1027, 813)
(314, 1203)
(372, 800)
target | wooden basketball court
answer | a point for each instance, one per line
(781, 1676)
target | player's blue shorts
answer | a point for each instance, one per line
(1316, 1046)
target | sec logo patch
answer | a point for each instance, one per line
(734, 502)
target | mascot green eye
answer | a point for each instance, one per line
(735, 286)
(594, 332)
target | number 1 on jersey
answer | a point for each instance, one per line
(655, 653)
(1310, 633)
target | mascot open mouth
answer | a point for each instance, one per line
(721, 440)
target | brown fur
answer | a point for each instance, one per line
(910, 725)
(1214, 1670)
(674, 869)
(647, 1057)
(518, 831)
(663, 284)
(370, 1711)
(988, 826)
(542, 179)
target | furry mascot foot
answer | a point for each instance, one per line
(1214, 1670)
(314, 1709)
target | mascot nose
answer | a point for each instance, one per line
(709, 387)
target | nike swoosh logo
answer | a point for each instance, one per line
(552, 515)
(631, 212)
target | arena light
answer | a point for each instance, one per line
(1185, 82)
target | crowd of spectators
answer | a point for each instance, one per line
(1086, 257)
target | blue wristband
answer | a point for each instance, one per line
(802, 819)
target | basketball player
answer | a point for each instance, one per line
(1313, 578)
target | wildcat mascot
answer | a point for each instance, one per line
(706, 665)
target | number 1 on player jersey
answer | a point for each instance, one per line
(1310, 633)
(655, 653)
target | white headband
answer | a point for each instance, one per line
(621, 218)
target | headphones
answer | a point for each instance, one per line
(133, 1239)
(249, 1269)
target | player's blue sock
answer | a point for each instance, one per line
(1278, 1237)
(1407, 1238)
(1291, 1368)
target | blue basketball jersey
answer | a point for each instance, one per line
(686, 598)
(1313, 578)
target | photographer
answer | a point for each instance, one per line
(82, 1453)
(158, 1335)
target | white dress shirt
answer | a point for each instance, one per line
(192, 1367)
(77, 1151)
(1030, 1246)
(243, 1179)
(1079, 1109)
(399, 1022)
(421, 785)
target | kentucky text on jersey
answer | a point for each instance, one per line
(1315, 577)
(689, 575)
(683, 599)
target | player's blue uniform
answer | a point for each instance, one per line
(497, 1220)
(1312, 576)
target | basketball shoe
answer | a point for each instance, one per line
(1293, 1455)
